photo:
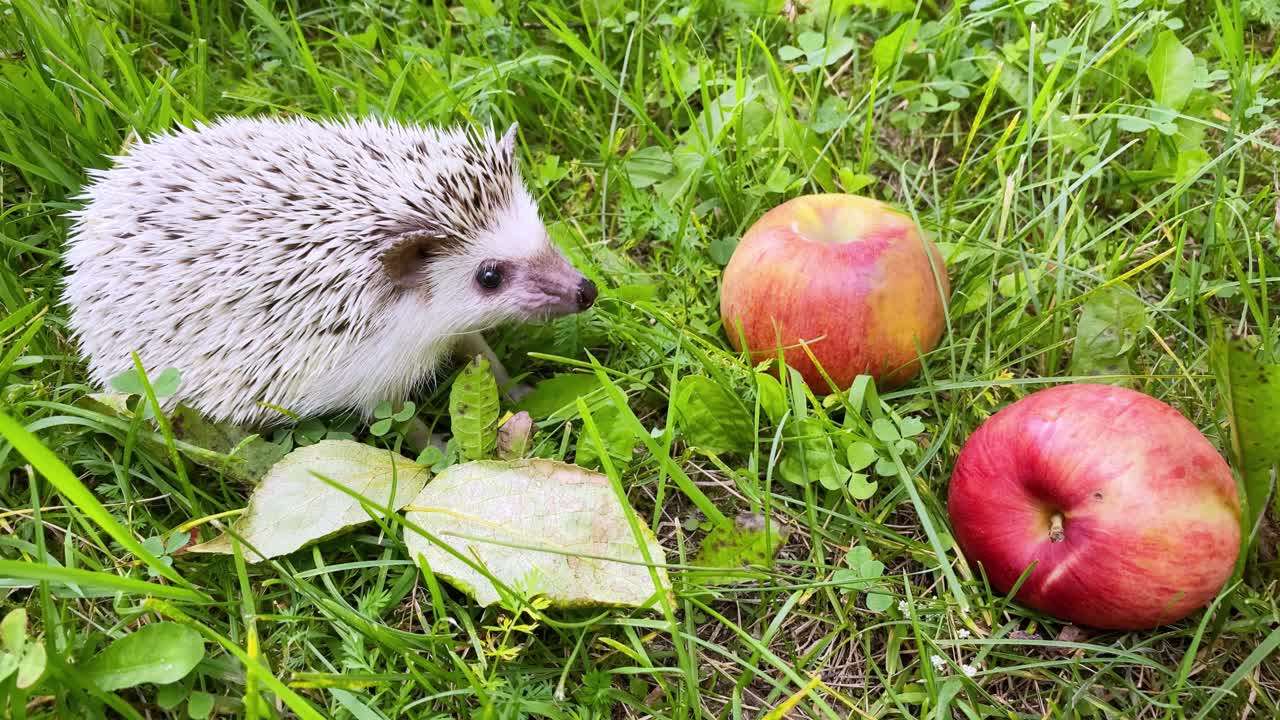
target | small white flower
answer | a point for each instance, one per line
(903, 607)
(962, 633)
(938, 662)
(969, 670)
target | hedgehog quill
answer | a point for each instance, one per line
(320, 267)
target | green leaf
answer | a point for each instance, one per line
(250, 456)
(712, 418)
(809, 455)
(406, 412)
(879, 602)
(163, 385)
(1110, 325)
(773, 399)
(154, 545)
(380, 428)
(292, 507)
(8, 665)
(175, 542)
(617, 435)
(910, 426)
(430, 456)
(861, 454)
(750, 541)
(383, 409)
(1250, 391)
(886, 50)
(13, 630)
(787, 53)
(860, 488)
(538, 526)
(557, 393)
(1171, 69)
(171, 695)
(32, 665)
(473, 410)
(162, 652)
(885, 430)
(200, 705)
(1190, 162)
(721, 249)
(647, 166)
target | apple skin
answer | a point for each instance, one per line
(1150, 511)
(850, 275)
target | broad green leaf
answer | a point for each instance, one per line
(886, 50)
(809, 455)
(199, 705)
(171, 695)
(860, 488)
(32, 665)
(787, 53)
(251, 456)
(1110, 325)
(292, 507)
(885, 430)
(406, 412)
(557, 393)
(1171, 69)
(751, 540)
(712, 418)
(616, 433)
(721, 249)
(473, 410)
(647, 166)
(861, 454)
(162, 652)
(1250, 390)
(879, 602)
(163, 385)
(538, 526)
(910, 426)
(8, 664)
(773, 399)
(13, 630)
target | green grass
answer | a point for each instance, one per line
(1025, 139)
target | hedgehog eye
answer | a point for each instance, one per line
(489, 277)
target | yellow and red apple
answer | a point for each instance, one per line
(850, 277)
(1126, 515)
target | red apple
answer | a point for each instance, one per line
(1131, 516)
(850, 276)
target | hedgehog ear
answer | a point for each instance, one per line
(407, 260)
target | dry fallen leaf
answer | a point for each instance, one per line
(540, 527)
(292, 507)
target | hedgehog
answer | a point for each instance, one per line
(318, 267)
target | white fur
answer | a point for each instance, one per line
(246, 253)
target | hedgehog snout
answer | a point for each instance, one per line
(587, 293)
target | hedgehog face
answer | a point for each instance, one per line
(508, 272)
(514, 271)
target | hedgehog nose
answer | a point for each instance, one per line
(586, 294)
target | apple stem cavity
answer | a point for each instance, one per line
(1055, 528)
